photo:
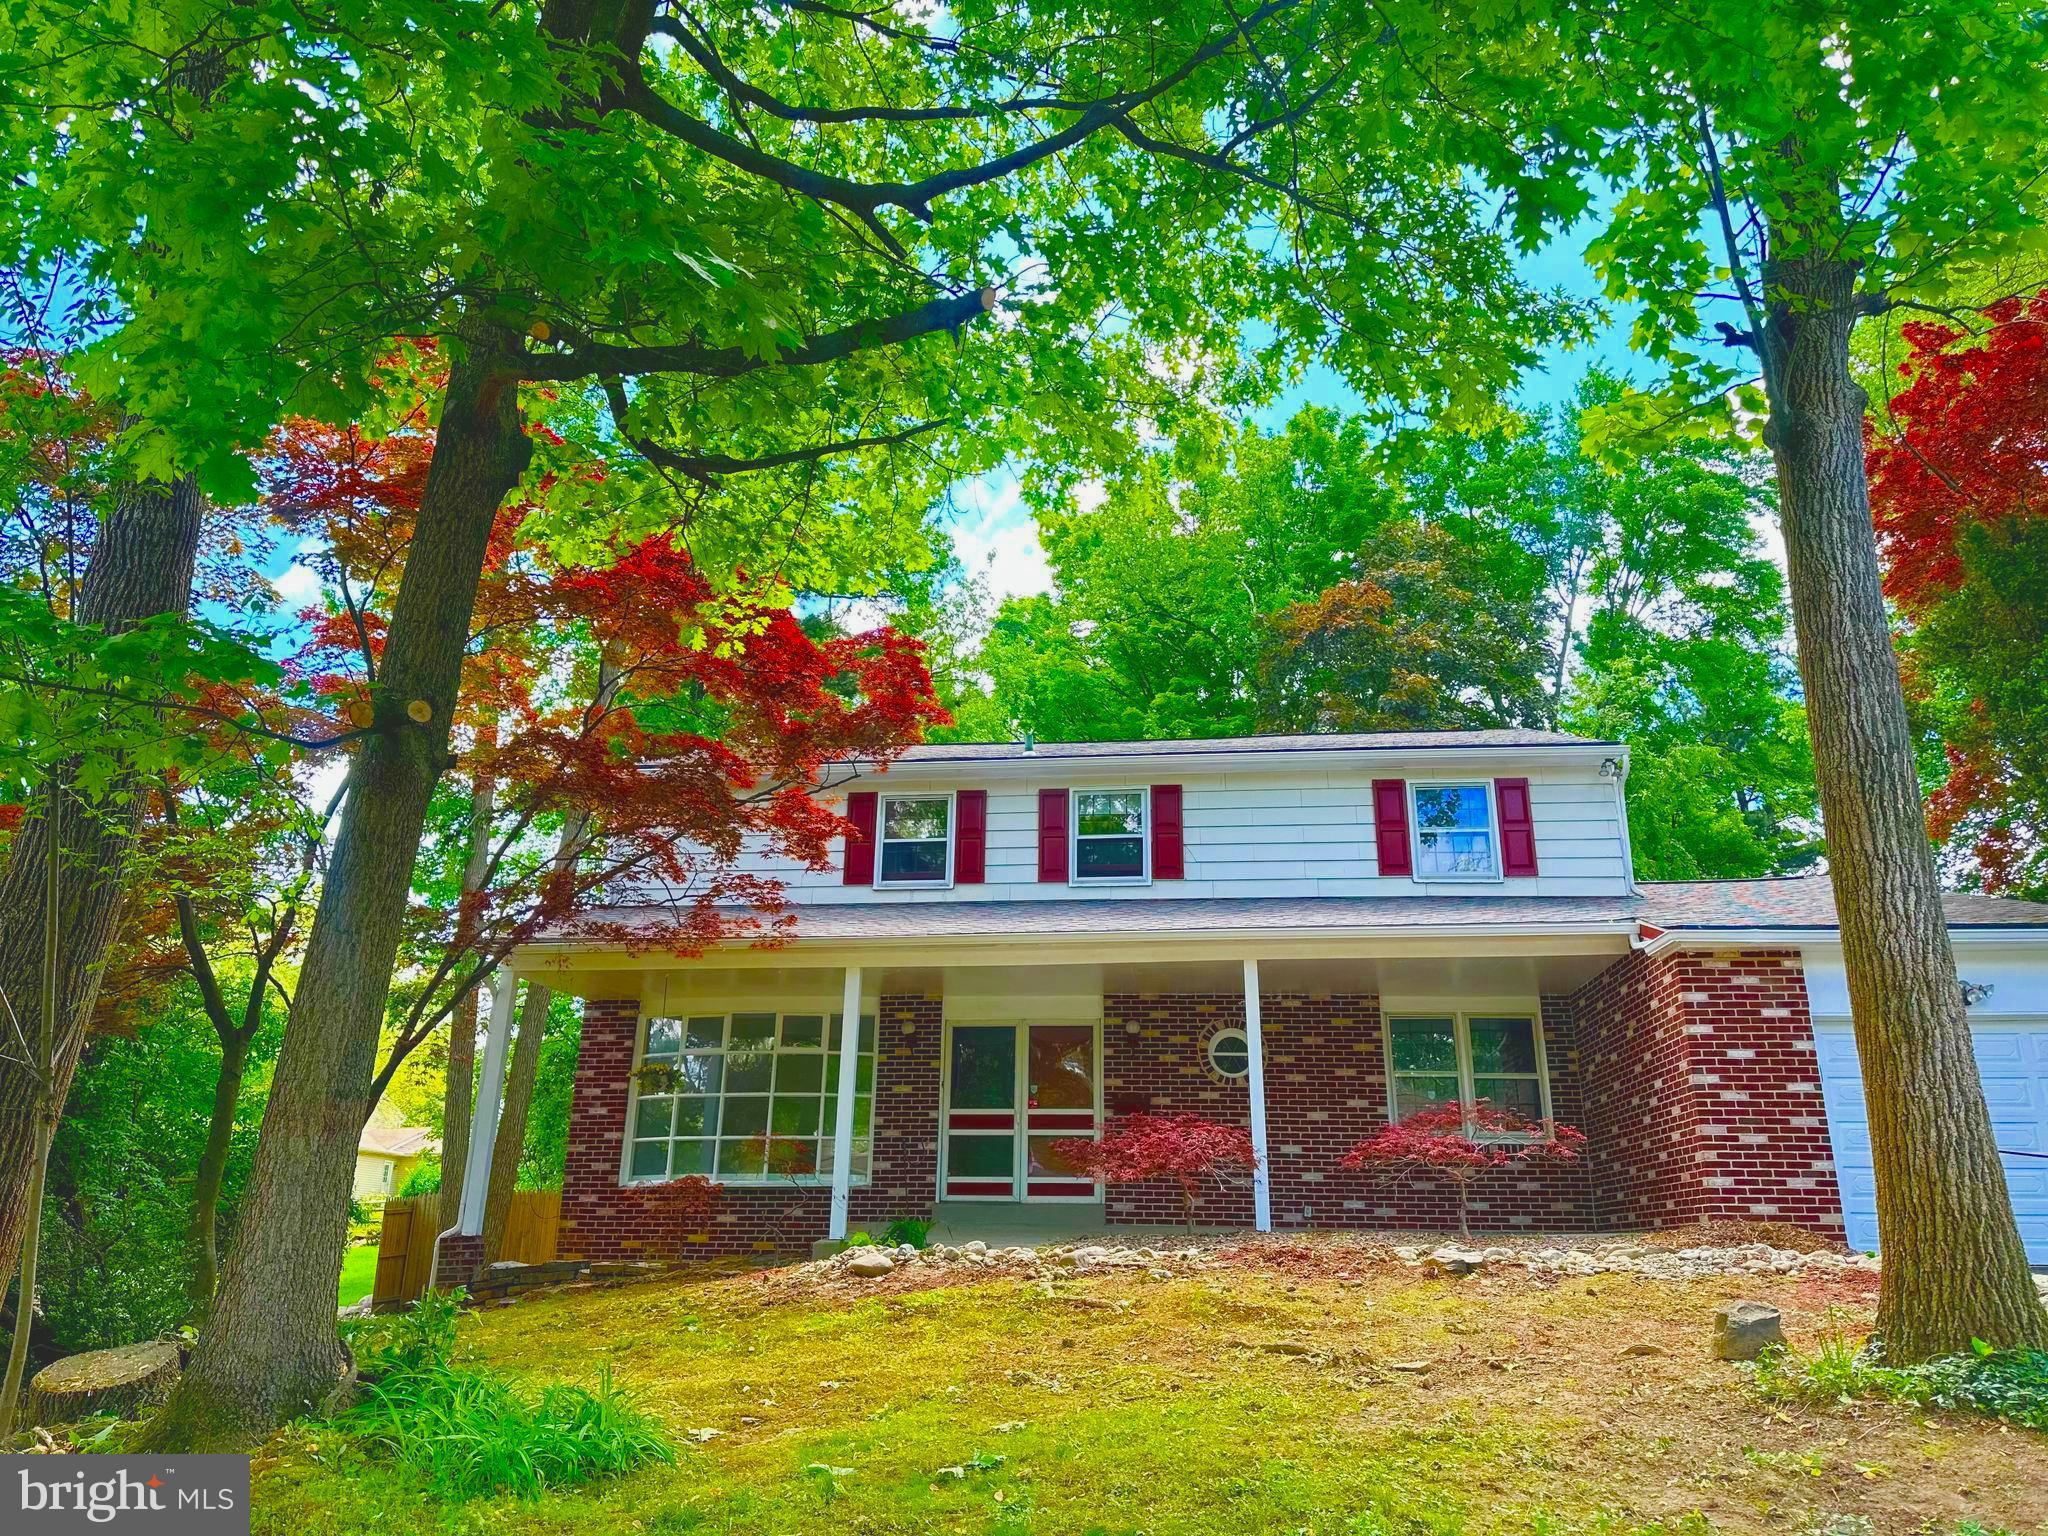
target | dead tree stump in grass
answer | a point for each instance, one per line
(123, 1381)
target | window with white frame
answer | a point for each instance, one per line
(1454, 832)
(917, 840)
(746, 1098)
(1109, 835)
(1446, 1058)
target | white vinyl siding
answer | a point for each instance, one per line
(1260, 830)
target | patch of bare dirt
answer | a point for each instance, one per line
(1735, 1234)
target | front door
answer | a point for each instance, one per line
(1014, 1092)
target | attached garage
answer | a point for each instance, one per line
(2012, 1058)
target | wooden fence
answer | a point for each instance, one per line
(405, 1246)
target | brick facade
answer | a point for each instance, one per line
(1704, 1091)
(1693, 1076)
(1326, 1089)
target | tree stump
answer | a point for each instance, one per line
(121, 1381)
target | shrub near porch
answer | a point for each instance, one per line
(1274, 1392)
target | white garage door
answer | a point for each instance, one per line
(2013, 1061)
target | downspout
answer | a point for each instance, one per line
(483, 1124)
(1628, 857)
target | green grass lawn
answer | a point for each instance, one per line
(358, 1273)
(1296, 1392)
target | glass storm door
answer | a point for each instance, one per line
(1059, 1106)
(1014, 1092)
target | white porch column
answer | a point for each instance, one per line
(490, 1095)
(842, 1126)
(1262, 1185)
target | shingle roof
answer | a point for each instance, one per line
(396, 1140)
(1793, 903)
(1805, 902)
(1371, 741)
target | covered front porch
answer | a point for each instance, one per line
(973, 1069)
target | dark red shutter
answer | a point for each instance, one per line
(1390, 825)
(1052, 835)
(1167, 863)
(1517, 827)
(970, 837)
(860, 842)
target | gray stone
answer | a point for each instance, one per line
(825, 1247)
(1745, 1329)
(870, 1263)
(1457, 1261)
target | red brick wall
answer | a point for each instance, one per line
(1326, 1089)
(603, 1220)
(1693, 1077)
(1704, 1091)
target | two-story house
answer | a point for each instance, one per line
(1304, 935)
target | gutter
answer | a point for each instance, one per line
(1655, 940)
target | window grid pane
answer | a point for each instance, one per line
(1463, 1058)
(750, 1098)
(916, 834)
(1109, 834)
(1453, 831)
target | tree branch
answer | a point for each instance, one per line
(587, 358)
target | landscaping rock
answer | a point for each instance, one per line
(1743, 1330)
(870, 1263)
(1451, 1260)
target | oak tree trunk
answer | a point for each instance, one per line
(213, 1167)
(511, 1139)
(140, 567)
(1954, 1267)
(270, 1349)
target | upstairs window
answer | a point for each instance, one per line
(917, 840)
(1110, 841)
(1454, 833)
(1457, 1058)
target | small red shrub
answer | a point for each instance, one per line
(1184, 1148)
(1458, 1145)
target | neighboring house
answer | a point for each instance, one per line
(1304, 935)
(386, 1156)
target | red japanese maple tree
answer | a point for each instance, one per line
(627, 722)
(1959, 493)
(1460, 1145)
(1186, 1148)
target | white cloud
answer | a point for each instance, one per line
(995, 538)
(298, 585)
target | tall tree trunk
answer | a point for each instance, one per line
(511, 1140)
(458, 1094)
(1954, 1267)
(141, 566)
(213, 1167)
(270, 1349)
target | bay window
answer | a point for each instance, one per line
(746, 1098)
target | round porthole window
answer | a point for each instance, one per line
(1230, 1054)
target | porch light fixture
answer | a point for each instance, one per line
(1975, 992)
(1610, 767)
